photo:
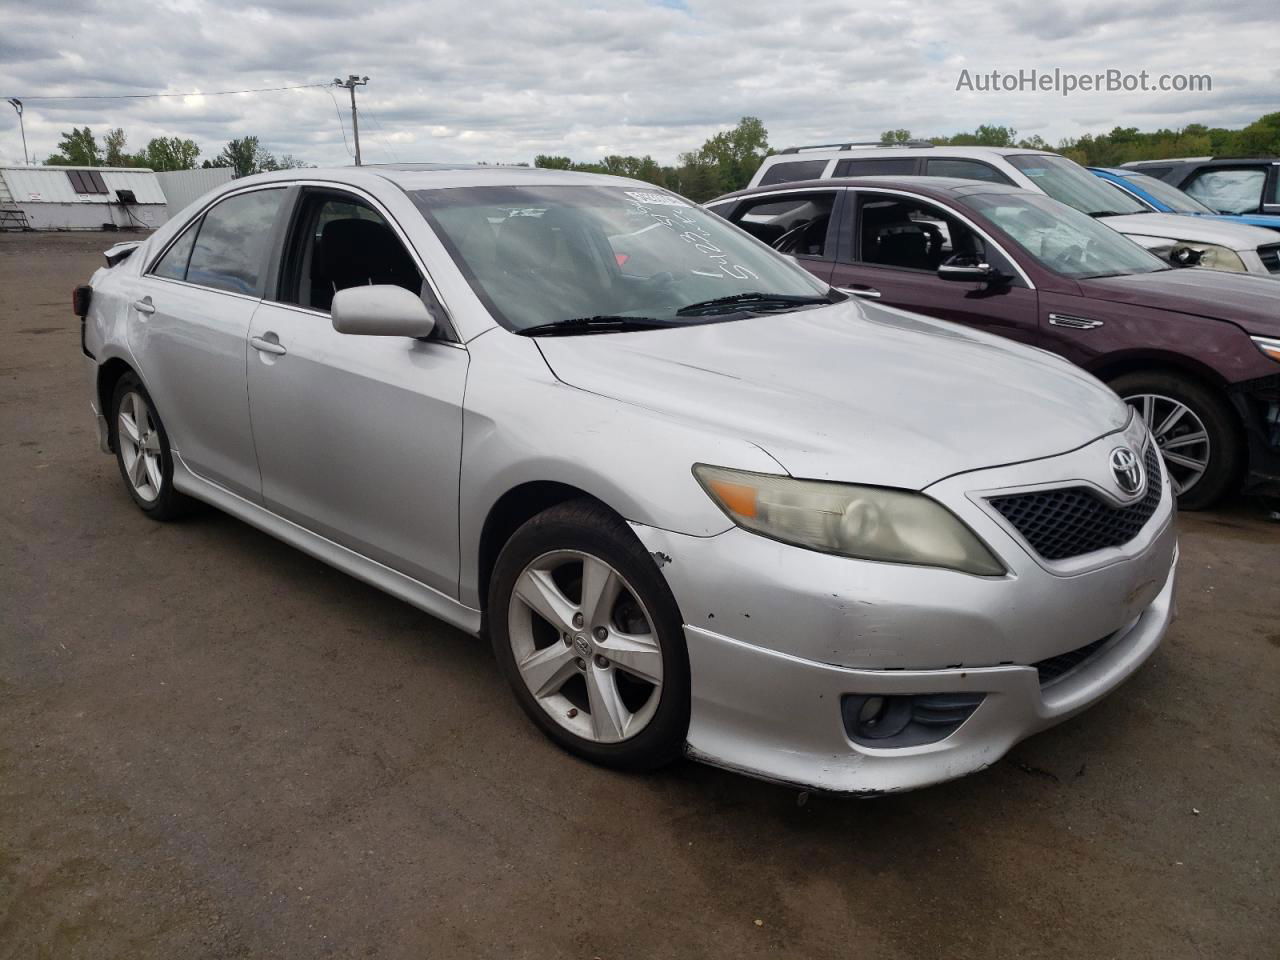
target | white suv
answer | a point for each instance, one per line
(1183, 241)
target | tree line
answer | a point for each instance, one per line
(726, 161)
(1122, 144)
(246, 155)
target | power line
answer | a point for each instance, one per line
(194, 93)
(381, 139)
(341, 126)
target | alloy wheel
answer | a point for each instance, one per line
(1180, 436)
(139, 440)
(585, 646)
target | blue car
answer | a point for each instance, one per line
(1166, 198)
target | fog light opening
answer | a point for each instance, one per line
(876, 720)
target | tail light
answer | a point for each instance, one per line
(80, 298)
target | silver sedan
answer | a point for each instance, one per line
(699, 501)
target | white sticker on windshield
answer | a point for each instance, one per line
(656, 199)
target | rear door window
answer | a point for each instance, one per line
(797, 224)
(878, 167)
(964, 170)
(173, 265)
(234, 242)
(793, 170)
(1229, 189)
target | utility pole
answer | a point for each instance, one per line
(351, 83)
(17, 105)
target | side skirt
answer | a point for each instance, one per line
(375, 574)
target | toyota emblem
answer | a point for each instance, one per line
(1127, 469)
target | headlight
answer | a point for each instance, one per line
(868, 523)
(1208, 255)
(1268, 345)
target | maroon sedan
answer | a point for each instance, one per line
(1197, 352)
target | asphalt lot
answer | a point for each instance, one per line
(214, 746)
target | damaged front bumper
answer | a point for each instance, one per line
(786, 644)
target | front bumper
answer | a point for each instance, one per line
(778, 717)
(777, 636)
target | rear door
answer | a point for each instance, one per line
(358, 438)
(891, 245)
(189, 326)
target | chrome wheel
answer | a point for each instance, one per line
(585, 647)
(1180, 436)
(139, 440)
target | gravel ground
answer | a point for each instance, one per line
(213, 746)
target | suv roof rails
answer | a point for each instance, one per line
(1134, 163)
(856, 143)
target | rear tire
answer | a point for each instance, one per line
(142, 452)
(1196, 431)
(590, 639)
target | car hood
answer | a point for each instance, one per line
(854, 392)
(1249, 301)
(1176, 226)
(1268, 220)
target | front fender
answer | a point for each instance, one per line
(521, 425)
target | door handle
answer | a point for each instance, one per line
(268, 346)
(144, 306)
(869, 292)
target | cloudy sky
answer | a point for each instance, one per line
(503, 80)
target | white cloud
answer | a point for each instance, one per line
(503, 80)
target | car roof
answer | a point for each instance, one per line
(439, 176)
(938, 187)
(888, 149)
(1203, 161)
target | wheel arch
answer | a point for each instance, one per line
(109, 374)
(511, 511)
(1157, 361)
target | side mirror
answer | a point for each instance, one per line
(970, 272)
(381, 310)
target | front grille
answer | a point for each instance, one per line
(1270, 258)
(1055, 668)
(1065, 523)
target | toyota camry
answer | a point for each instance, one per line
(699, 501)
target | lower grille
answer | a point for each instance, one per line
(1270, 258)
(1072, 521)
(1053, 669)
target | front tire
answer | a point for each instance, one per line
(590, 639)
(1195, 431)
(142, 451)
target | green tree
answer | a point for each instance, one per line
(114, 143)
(170, 153)
(548, 162)
(735, 154)
(243, 155)
(78, 148)
(895, 136)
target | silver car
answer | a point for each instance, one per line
(700, 502)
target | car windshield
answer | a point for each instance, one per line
(1168, 194)
(1075, 186)
(1064, 240)
(543, 255)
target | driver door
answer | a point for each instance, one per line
(358, 438)
(891, 245)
